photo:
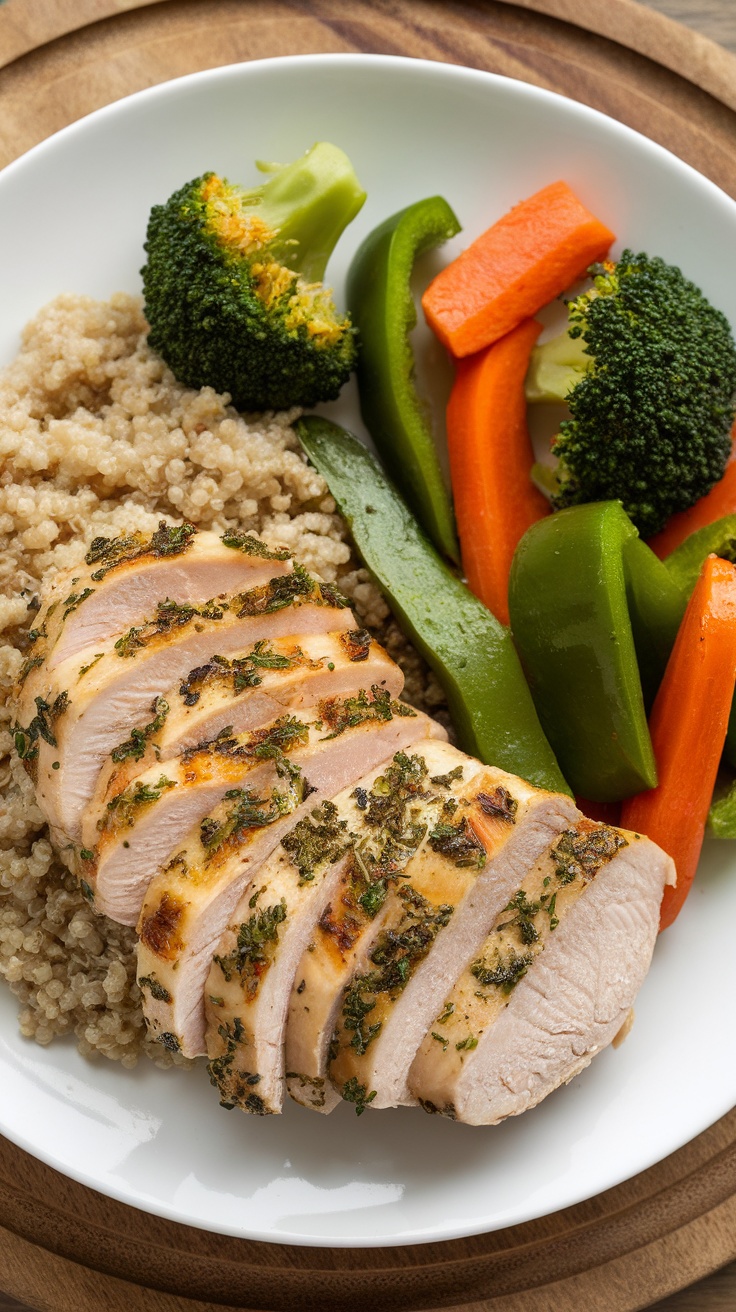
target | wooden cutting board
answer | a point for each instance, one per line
(64, 1248)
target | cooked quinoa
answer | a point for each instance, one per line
(98, 438)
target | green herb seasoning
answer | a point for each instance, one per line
(155, 988)
(169, 618)
(26, 741)
(242, 812)
(317, 841)
(285, 591)
(523, 920)
(85, 669)
(459, 843)
(242, 673)
(581, 853)
(356, 1093)
(341, 713)
(395, 956)
(268, 744)
(109, 553)
(134, 747)
(123, 810)
(499, 803)
(503, 972)
(74, 600)
(467, 1044)
(250, 545)
(256, 944)
(236, 1087)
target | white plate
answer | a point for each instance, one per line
(72, 217)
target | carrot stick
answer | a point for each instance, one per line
(688, 727)
(720, 501)
(490, 461)
(522, 262)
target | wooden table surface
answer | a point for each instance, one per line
(715, 19)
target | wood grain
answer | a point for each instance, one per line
(65, 1249)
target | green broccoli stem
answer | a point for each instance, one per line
(309, 204)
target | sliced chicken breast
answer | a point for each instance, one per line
(88, 706)
(123, 578)
(246, 691)
(362, 840)
(487, 837)
(137, 829)
(553, 982)
(190, 904)
(346, 934)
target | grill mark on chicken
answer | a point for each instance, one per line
(159, 930)
(356, 644)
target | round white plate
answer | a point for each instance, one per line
(73, 215)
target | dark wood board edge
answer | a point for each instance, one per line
(26, 25)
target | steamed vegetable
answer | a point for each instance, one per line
(688, 728)
(650, 381)
(233, 283)
(472, 654)
(522, 262)
(714, 506)
(490, 461)
(382, 309)
(588, 603)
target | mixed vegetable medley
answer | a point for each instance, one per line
(578, 654)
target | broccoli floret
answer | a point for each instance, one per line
(233, 283)
(647, 368)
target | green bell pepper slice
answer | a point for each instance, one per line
(686, 561)
(588, 602)
(472, 654)
(382, 308)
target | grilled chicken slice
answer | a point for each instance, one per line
(553, 982)
(487, 836)
(123, 578)
(362, 841)
(138, 829)
(190, 904)
(88, 706)
(248, 690)
(477, 830)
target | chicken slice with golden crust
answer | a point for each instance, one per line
(553, 981)
(491, 826)
(249, 689)
(363, 841)
(83, 710)
(205, 879)
(123, 578)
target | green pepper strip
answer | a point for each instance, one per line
(382, 308)
(472, 654)
(588, 603)
(684, 565)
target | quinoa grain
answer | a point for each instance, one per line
(97, 438)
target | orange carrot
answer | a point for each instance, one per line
(688, 727)
(490, 461)
(514, 268)
(720, 501)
